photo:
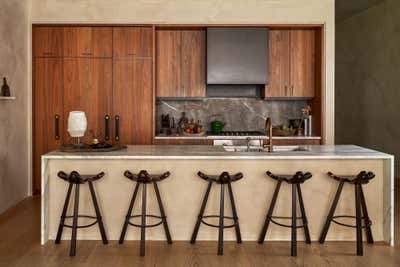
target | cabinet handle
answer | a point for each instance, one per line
(116, 128)
(48, 53)
(57, 126)
(286, 93)
(107, 126)
(292, 90)
(87, 54)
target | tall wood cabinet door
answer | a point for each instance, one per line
(133, 101)
(302, 62)
(168, 63)
(279, 64)
(133, 41)
(87, 87)
(48, 111)
(47, 41)
(193, 56)
(88, 42)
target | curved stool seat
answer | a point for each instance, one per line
(295, 180)
(358, 180)
(143, 178)
(222, 179)
(74, 178)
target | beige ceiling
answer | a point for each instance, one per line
(348, 8)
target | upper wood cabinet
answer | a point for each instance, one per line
(180, 63)
(133, 41)
(48, 41)
(291, 63)
(88, 42)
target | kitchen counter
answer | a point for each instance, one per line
(182, 192)
(230, 137)
(218, 152)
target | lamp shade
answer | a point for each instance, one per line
(77, 123)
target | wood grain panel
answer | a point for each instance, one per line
(168, 63)
(47, 41)
(279, 63)
(87, 87)
(88, 41)
(204, 142)
(302, 62)
(193, 63)
(132, 41)
(47, 102)
(133, 100)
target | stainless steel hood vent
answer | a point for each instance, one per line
(237, 56)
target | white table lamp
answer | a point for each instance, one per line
(77, 125)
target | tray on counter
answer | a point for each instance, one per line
(91, 148)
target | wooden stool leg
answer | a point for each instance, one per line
(358, 220)
(303, 215)
(269, 214)
(294, 222)
(221, 222)
(143, 224)
(75, 222)
(367, 220)
(98, 214)
(331, 213)
(63, 214)
(163, 217)
(234, 213)
(200, 216)
(128, 215)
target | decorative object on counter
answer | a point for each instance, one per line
(307, 120)
(297, 125)
(77, 125)
(74, 178)
(100, 147)
(223, 179)
(217, 126)
(142, 179)
(295, 181)
(193, 128)
(5, 89)
(361, 208)
(182, 123)
(166, 127)
(283, 130)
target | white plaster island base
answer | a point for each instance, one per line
(183, 191)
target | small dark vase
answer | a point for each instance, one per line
(5, 89)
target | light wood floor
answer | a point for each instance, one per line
(20, 246)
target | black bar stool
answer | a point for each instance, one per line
(74, 178)
(295, 180)
(143, 178)
(222, 179)
(358, 180)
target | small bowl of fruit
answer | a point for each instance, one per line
(193, 129)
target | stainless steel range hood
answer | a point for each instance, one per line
(237, 55)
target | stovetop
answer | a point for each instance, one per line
(236, 133)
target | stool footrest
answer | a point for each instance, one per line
(217, 226)
(147, 225)
(349, 225)
(81, 226)
(271, 218)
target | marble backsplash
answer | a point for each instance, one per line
(240, 114)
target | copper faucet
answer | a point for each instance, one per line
(268, 125)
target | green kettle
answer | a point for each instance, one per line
(217, 126)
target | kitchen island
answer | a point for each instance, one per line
(182, 192)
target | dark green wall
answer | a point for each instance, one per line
(367, 87)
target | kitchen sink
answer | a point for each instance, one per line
(261, 149)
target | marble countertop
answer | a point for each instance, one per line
(228, 137)
(218, 152)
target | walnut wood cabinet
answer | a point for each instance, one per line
(133, 41)
(88, 87)
(87, 42)
(180, 63)
(48, 41)
(48, 110)
(291, 63)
